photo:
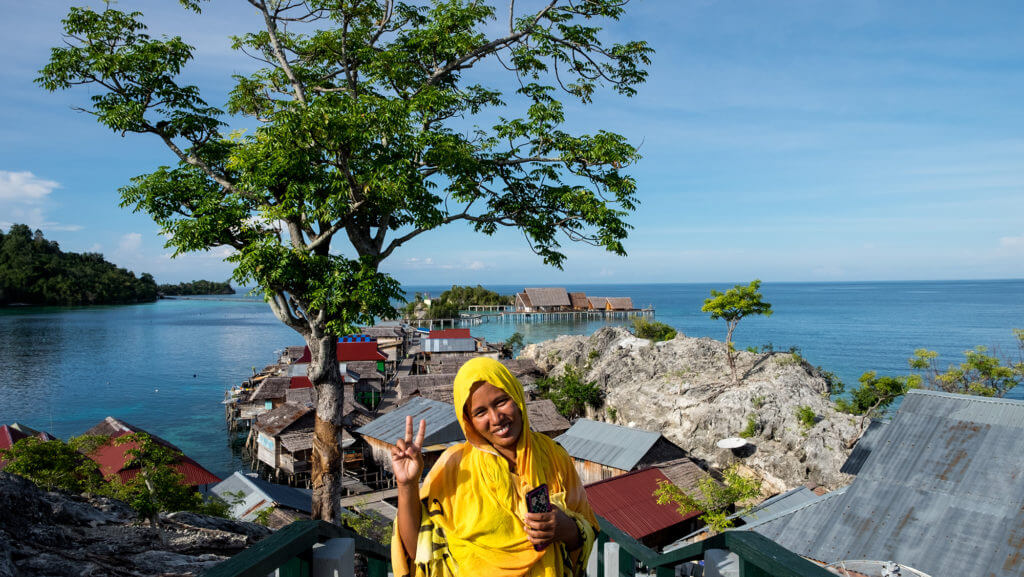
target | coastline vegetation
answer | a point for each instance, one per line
(196, 287)
(732, 305)
(36, 271)
(570, 393)
(653, 330)
(452, 301)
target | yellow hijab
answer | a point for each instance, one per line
(478, 503)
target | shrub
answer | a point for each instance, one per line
(806, 416)
(712, 499)
(751, 428)
(652, 330)
(570, 394)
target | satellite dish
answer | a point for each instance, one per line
(873, 568)
(731, 443)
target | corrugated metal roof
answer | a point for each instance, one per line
(450, 334)
(276, 420)
(272, 388)
(441, 424)
(548, 297)
(942, 491)
(407, 385)
(607, 444)
(862, 450)
(628, 502)
(783, 502)
(682, 472)
(111, 459)
(434, 345)
(256, 490)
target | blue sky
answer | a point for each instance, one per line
(790, 141)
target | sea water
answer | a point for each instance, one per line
(164, 366)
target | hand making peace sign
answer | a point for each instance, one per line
(407, 455)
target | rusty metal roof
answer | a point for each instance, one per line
(441, 424)
(942, 491)
(628, 502)
(607, 444)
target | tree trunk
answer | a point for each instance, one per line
(730, 351)
(327, 463)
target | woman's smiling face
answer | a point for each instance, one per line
(495, 415)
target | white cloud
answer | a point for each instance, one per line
(24, 187)
(476, 265)
(24, 198)
(129, 243)
(1012, 241)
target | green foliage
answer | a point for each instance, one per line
(570, 394)
(371, 129)
(54, 465)
(263, 516)
(34, 270)
(613, 414)
(788, 360)
(594, 354)
(158, 486)
(758, 401)
(514, 343)
(369, 525)
(981, 373)
(653, 330)
(458, 298)
(751, 429)
(732, 305)
(806, 416)
(197, 287)
(714, 500)
(875, 394)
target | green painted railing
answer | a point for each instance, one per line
(290, 549)
(758, 555)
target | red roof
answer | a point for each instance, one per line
(300, 383)
(10, 435)
(111, 459)
(450, 334)
(365, 351)
(628, 502)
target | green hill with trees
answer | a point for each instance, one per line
(35, 271)
(196, 287)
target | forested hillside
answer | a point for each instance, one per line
(197, 287)
(35, 271)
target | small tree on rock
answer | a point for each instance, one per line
(873, 396)
(732, 305)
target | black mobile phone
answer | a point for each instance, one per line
(538, 501)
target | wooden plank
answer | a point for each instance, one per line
(267, 555)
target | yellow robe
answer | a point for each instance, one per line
(473, 507)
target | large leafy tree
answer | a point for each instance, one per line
(374, 126)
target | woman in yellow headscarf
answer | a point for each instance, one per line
(469, 518)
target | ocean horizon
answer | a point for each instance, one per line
(164, 366)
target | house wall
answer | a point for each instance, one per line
(266, 449)
(591, 472)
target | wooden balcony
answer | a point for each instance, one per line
(616, 554)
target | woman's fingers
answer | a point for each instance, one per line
(419, 434)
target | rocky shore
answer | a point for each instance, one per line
(55, 534)
(683, 388)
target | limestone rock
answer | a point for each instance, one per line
(683, 388)
(77, 535)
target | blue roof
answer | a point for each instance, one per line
(357, 339)
(942, 491)
(607, 444)
(442, 426)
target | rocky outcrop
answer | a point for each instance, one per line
(684, 389)
(55, 534)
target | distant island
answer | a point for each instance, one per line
(34, 271)
(196, 287)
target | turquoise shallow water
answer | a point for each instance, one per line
(164, 366)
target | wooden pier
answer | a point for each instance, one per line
(543, 317)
